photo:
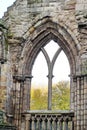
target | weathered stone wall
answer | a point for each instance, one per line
(20, 15)
(16, 18)
(25, 16)
(32, 24)
(81, 17)
(3, 80)
(3, 67)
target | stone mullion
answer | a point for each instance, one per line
(85, 102)
(78, 104)
(82, 103)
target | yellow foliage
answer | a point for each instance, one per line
(60, 97)
(2, 97)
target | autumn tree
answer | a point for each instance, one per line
(60, 97)
(38, 98)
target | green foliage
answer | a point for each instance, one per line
(4, 32)
(38, 99)
(1, 117)
(60, 97)
(2, 24)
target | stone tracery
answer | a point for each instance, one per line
(32, 26)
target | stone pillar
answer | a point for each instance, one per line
(18, 99)
(75, 101)
(85, 102)
(80, 102)
(72, 93)
(27, 89)
(21, 97)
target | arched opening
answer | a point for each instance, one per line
(48, 88)
(36, 43)
(39, 90)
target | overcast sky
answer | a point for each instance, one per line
(3, 6)
(61, 69)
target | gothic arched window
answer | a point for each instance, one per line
(46, 64)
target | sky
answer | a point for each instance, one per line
(61, 68)
(3, 6)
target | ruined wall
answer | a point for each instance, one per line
(3, 67)
(81, 17)
(23, 17)
(29, 22)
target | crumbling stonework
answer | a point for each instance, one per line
(31, 25)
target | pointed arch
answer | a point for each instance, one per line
(41, 36)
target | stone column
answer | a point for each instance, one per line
(85, 103)
(27, 89)
(18, 103)
(72, 93)
(80, 102)
(75, 101)
(21, 96)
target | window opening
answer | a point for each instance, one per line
(50, 65)
(39, 89)
(61, 84)
(50, 57)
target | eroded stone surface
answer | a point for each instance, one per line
(31, 24)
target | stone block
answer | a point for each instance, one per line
(80, 7)
(82, 1)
